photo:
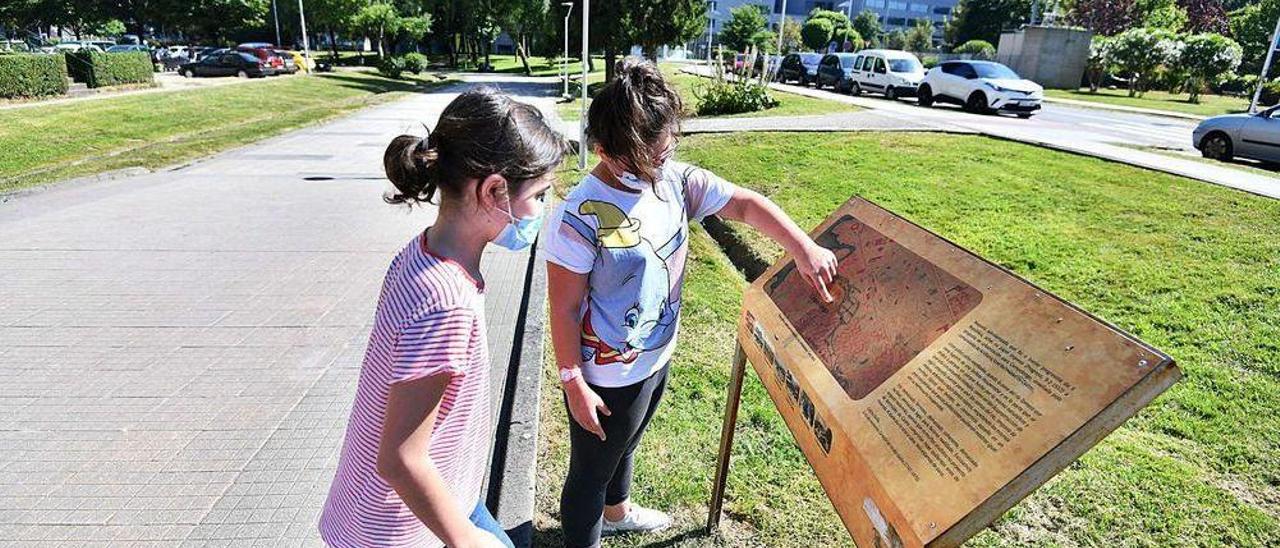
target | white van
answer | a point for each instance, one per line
(889, 72)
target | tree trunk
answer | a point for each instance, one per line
(381, 35)
(523, 53)
(609, 55)
(333, 42)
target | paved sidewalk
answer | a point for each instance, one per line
(179, 350)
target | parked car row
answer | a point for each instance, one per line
(251, 59)
(978, 86)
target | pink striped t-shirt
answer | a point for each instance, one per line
(430, 321)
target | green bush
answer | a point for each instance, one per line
(32, 75)
(1237, 85)
(733, 97)
(1270, 94)
(979, 49)
(97, 69)
(392, 66)
(415, 62)
(929, 61)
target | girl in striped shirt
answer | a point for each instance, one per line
(413, 461)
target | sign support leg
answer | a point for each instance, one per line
(726, 436)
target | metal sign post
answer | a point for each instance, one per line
(306, 46)
(726, 436)
(1266, 68)
(586, 63)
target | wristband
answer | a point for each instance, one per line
(569, 373)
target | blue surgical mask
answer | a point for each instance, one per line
(519, 233)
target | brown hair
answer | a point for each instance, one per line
(631, 113)
(480, 133)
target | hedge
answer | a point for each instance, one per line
(32, 75)
(97, 69)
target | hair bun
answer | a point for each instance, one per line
(408, 163)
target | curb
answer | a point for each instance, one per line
(1122, 108)
(514, 463)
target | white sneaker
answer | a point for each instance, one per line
(637, 520)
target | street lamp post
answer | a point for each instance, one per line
(586, 59)
(306, 46)
(782, 22)
(711, 27)
(275, 16)
(1266, 68)
(564, 62)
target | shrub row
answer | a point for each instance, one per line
(392, 66)
(733, 97)
(32, 75)
(97, 69)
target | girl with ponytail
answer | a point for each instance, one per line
(416, 450)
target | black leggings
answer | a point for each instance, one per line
(600, 471)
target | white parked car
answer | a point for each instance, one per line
(76, 46)
(889, 72)
(1254, 136)
(981, 86)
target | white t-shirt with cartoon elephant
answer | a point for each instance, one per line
(632, 246)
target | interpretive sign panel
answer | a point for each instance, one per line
(938, 389)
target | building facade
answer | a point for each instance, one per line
(894, 14)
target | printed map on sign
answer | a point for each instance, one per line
(889, 305)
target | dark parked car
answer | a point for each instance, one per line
(836, 70)
(800, 67)
(236, 63)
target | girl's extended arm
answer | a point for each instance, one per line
(402, 462)
(815, 263)
(566, 290)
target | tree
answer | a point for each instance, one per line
(110, 27)
(765, 41)
(654, 23)
(331, 16)
(868, 26)
(920, 38)
(1138, 53)
(1206, 58)
(842, 31)
(897, 40)
(816, 33)
(744, 22)
(848, 39)
(1205, 16)
(1252, 26)
(791, 37)
(1099, 61)
(985, 19)
(519, 18)
(1162, 14)
(1106, 17)
(377, 19)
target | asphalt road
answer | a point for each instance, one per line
(1057, 120)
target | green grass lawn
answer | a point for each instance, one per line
(687, 84)
(1192, 268)
(57, 141)
(1209, 105)
(541, 66)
